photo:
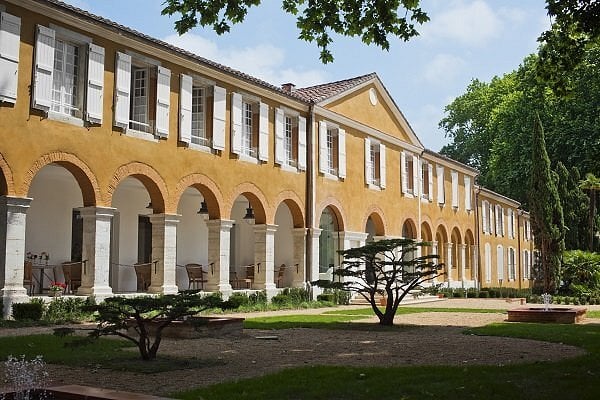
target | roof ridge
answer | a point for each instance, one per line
(356, 78)
(327, 90)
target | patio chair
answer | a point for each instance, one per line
(72, 272)
(143, 273)
(195, 273)
(28, 280)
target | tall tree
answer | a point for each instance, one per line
(371, 20)
(575, 204)
(591, 183)
(546, 211)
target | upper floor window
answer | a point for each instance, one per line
(142, 95)
(375, 169)
(427, 181)
(441, 195)
(486, 217)
(527, 229)
(332, 150)
(454, 176)
(290, 139)
(68, 75)
(510, 223)
(250, 127)
(10, 42)
(499, 220)
(468, 193)
(409, 173)
(201, 113)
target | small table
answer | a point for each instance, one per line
(42, 268)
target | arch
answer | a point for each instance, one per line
(426, 234)
(149, 177)
(292, 201)
(209, 190)
(409, 229)
(7, 186)
(337, 209)
(257, 201)
(90, 190)
(377, 216)
(456, 237)
(441, 233)
(469, 237)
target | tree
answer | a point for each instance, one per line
(592, 184)
(576, 26)
(371, 20)
(148, 316)
(575, 204)
(385, 267)
(546, 211)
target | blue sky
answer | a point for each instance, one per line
(465, 39)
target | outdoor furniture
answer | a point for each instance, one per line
(195, 273)
(143, 273)
(280, 276)
(245, 282)
(28, 280)
(72, 272)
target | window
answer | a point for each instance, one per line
(427, 181)
(67, 65)
(441, 196)
(527, 230)
(488, 262)
(375, 173)
(250, 127)
(454, 176)
(511, 264)
(142, 95)
(10, 32)
(526, 264)
(511, 223)
(200, 102)
(332, 150)
(500, 262)
(499, 220)
(290, 139)
(485, 217)
(468, 193)
(410, 173)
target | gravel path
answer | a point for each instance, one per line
(248, 356)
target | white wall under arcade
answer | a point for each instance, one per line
(284, 242)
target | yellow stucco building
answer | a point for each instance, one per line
(118, 149)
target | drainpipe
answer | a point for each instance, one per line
(310, 192)
(477, 241)
(519, 213)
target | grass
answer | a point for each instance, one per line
(320, 321)
(413, 310)
(114, 354)
(577, 378)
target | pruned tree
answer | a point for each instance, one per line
(142, 320)
(547, 220)
(386, 267)
(371, 20)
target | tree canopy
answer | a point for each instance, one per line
(371, 20)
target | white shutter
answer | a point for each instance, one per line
(368, 166)
(509, 229)
(382, 171)
(500, 262)
(219, 114)
(430, 178)
(323, 168)
(186, 83)
(454, 175)
(467, 193)
(416, 173)
(122, 90)
(44, 66)
(163, 100)
(404, 172)
(441, 197)
(484, 216)
(302, 143)
(279, 128)
(10, 42)
(341, 153)
(497, 219)
(95, 84)
(263, 133)
(491, 223)
(236, 123)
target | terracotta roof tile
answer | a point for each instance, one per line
(322, 92)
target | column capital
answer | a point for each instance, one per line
(300, 231)
(266, 228)
(358, 236)
(223, 224)
(462, 246)
(94, 211)
(315, 232)
(171, 219)
(16, 204)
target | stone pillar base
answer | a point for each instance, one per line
(164, 289)
(10, 297)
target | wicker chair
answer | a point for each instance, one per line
(143, 273)
(195, 273)
(28, 280)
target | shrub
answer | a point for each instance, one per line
(32, 311)
(281, 299)
(236, 300)
(458, 294)
(484, 294)
(62, 310)
(297, 295)
(258, 298)
(328, 297)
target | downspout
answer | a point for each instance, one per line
(519, 213)
(310, 193)
(477, 241)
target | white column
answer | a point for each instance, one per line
(264, 258)
(219, 235)
(96, 251)
(13, 212)
(474, 264)
(463, 261)
(314, 233)
(164, 253)
(449, 261)
(299, 266)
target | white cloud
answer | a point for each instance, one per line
(470, 23)
(443, 68)
(263, 61)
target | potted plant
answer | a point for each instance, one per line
(57, 288)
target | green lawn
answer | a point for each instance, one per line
(413, 310)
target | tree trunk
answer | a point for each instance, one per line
(592, 218)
